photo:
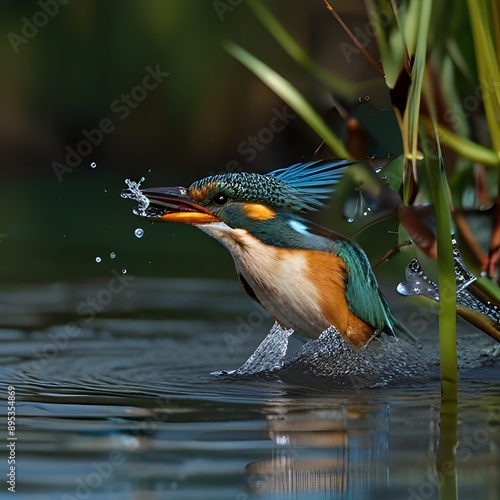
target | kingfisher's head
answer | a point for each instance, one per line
(243, 200)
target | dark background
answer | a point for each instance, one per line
(66, 76)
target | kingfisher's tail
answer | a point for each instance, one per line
(392, 323)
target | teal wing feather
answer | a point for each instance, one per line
(307, 184)
(363, 294)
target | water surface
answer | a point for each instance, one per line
(115, 400)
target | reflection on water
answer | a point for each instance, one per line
(342, 450)
(115, 401)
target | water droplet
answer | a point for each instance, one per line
(142, 179)
(139, 232)
(367, 211)
(350, 219)
(112, 255)
(98, 259)
(124, 271)
(366, 98)
(93, 164)
(105, 190)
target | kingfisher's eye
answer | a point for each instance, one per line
(220, 198)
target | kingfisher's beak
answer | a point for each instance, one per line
(172, 204)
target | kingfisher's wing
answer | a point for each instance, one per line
(362, 290)
(363, 293)
(307, 184)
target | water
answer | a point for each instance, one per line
(417, 283)
(133, 192)
(139, 233)
(115, 400)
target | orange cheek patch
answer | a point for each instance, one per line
(258, 212)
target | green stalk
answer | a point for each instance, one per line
(446, 282)
(440, 195)
(412, 112)
(445, 457)
(340, 86)
(463, 146)
(291, 96)
(446, 275)
(487, 65)
(392, 60)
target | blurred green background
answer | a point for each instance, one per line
(66, 68)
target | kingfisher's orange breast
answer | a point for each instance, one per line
(302, 289)
(329, 273)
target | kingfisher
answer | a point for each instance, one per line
(307, 277)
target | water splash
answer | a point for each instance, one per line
(463, 276)
(269, 354)
(357, 206)
(333, 359)
(134, 193)
(417, 283)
